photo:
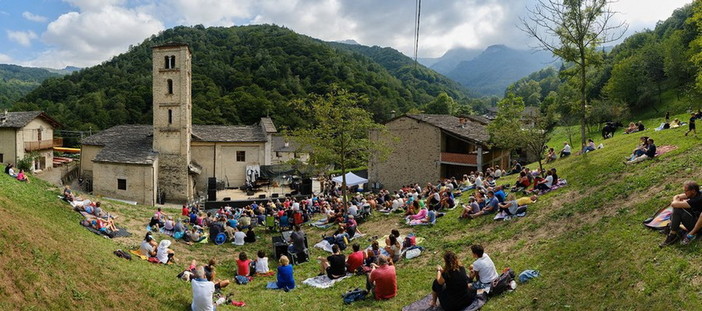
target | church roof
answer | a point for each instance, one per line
(278, 144)
(133, 144)
(228, 133)
(19, 119)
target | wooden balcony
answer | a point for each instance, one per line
(42, 144)
(459, 158)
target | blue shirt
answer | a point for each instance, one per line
(492, 203)
(500, 195)
(285, 277)
(232, 223)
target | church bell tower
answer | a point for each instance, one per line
(172, 120)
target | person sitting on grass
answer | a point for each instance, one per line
(491, 206)
(430, 218)
(243, 268)
(566, 150)
(551, 155)
(450, 287)
(590, 146)
(382, 280)
(355, 259)
(239, 237)
(372, 254)
(482, 270)
(68, 194)
(285, 277)
(546, 183)
(202, 291)
(163, 253)
(471, 208)
(631, 128)
(157, 219)
(394, 249)
(419, 216)
(211, 275)
(334, 266)
(650, 153)
(21, 176)
(148, 246)
(687, 208)
(261, 263)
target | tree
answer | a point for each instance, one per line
(442, 104)
(572, 30)
(338, 131)
(509, 130)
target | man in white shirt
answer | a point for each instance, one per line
(482, 270)
(566, 150)
(353, 210)
(202, 291)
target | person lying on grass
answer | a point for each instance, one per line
(334, 266)
(687, 208)
(510, 207)
(382, 280)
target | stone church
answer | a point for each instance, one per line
(172, 159)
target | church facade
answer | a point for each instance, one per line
(172, 159)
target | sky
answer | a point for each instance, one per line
(82, 33)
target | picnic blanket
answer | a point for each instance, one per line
(661, 219)
(502, 215)
(323, 281)
(382, 245)
(665, 149)
(112, 234)
(322, 224)
(425, 303)
(138, 254)
(326, 246)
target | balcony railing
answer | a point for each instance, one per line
(42, 144)
(462, 158)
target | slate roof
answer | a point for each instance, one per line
(130, 144)
(278, 144)
(21, 118)
(268, 126)
(473, 130)
(228, 133)
(133, 144)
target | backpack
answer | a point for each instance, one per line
(354, 295)
(122, 254)
(410, 240)
(502, 283)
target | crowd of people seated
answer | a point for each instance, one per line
(20, 176)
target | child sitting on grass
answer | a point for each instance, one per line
(261, 263)
(243, 269)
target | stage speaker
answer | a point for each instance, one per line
(279, 247)
(212, 183)
(212, 194)
(227, 199)
(275, 195)
(306, 186)
(261, 196)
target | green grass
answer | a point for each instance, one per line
(586, 239)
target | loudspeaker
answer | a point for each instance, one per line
(227, 199)
(279, 247)
(261, 196)
(212, 183)
(306, 186)
(212, 194)
(275, 195)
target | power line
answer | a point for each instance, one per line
(417, 18)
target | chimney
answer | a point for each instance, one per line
(392, 114)
(287, 144)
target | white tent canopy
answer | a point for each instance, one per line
(351, 179)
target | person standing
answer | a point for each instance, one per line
(692, 125)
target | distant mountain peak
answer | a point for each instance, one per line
(348, 41)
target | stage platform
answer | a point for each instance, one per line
(238, 198)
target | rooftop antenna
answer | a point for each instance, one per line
(417, 15)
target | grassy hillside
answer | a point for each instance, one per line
(586, 239)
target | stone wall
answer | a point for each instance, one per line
(173, 179)
(140, 181)
(416, 150)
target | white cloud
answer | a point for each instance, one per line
(32, 17)
(24, 38)
(211, 12)
(5, 58)
(90, 37)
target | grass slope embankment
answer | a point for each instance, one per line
(586, 239)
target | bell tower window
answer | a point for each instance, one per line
(170, 116)
(170, 62)
(170, 86)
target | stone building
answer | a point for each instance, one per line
(427, 147)
(22, 133)
(172, 159)
(285, 150)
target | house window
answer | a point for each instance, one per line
(121, 184)
(241, 156)
(170, 86)
(39, 134)
(277, 154)
(297, 156)
(170, 116)
(2, 158)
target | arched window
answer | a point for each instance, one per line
(170, 62)
(173, 65)
(170, 86)
(170, 116)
